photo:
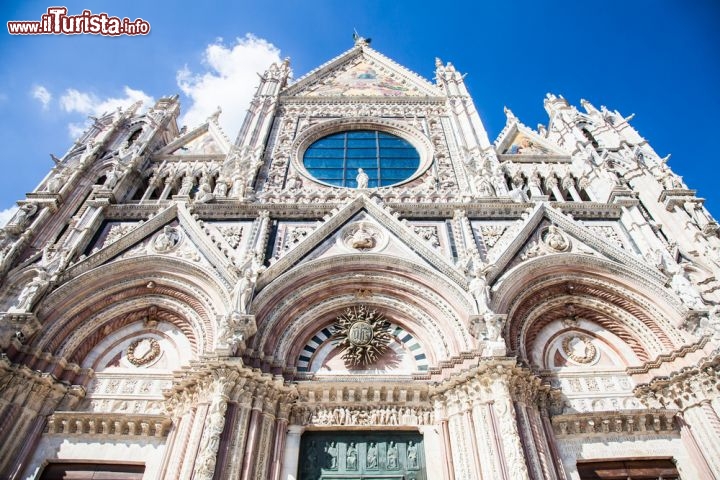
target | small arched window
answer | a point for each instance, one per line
(134, 136)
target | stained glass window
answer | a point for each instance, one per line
(385, 158)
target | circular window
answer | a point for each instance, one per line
(378, 158)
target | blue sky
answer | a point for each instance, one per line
(658, 59)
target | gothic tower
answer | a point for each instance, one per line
(361, 285)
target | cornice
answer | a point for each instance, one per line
(426, 100)
(108, 424)
(604, 424)
(669, 358)
(496, 208)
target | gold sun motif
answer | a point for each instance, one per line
(364, 333)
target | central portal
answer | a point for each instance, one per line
(358, 455)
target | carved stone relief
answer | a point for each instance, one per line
(363, 236)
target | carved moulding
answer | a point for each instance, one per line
(372, 416)
(105, 424)
(683, 389)
(632, 422)
(273, 301)
(200, 382)
(641, 312)
(17, 327)
(283, 336)
(189, 289)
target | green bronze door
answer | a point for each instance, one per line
(362, 456)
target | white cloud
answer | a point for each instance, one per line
(42, 94)
(7, 214)
(75, 101)
(229, 81)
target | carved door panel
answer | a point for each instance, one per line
(362, 456)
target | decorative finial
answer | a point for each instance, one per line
(438, 62)
(215, 116)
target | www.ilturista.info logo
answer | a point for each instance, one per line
(57, 22)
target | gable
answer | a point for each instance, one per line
(201, 144)
(522, 144)
(173, 232)
(206, 140)
(547, 232)
(517, 141)
(361, 226)
(361, 79)
(361, 72)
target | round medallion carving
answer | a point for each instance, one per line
(361, 333)
(555, 239)
(363, 237)
(579, 349)
(167, 240)
(143, 351)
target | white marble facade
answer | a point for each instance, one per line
(171, 297)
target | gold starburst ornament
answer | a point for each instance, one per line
(363, 333)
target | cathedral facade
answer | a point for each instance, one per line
(360, 285)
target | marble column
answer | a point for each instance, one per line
(291, 457)
(703, 431)
(691, 444)
(252, 439)
(281, 429)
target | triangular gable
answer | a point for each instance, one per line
(586, 240)
(360, 72)
(206, 140)
(376, 212)
(199, 244)
(520, 141)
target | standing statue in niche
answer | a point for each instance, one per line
(372, 456)
(685, 289)
(243, 291)
(221, 188)
(484, 188)
(31, 291)
(412, 455)
(24, 213)
(245, 287)
(480, 289)
(56, 182)
(333, 454)
(392, 456)
(362, 179)
(494, 325)
(113, 176)
(204, 193)
(352, 457)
